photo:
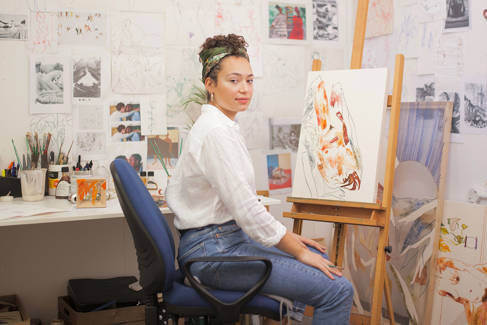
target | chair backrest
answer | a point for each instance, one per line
(152, 236)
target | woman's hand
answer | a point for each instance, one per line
(311, 243)
(315, 260)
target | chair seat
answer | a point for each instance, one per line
(185, 300)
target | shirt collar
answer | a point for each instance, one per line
(208, 108)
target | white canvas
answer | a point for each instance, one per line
(340, 135)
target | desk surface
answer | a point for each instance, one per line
(62, 211)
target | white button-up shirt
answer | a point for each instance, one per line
(214, 181)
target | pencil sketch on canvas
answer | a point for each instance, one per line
(340, 135)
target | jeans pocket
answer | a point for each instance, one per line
(195, 251)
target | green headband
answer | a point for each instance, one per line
(211, 57)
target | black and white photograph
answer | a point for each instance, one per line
(49, 77)
(475, 107)
(13, 27)
(457, 14)
(284, 133)
(86, 78)
(325, 20)
(453, 97)
(425, 93)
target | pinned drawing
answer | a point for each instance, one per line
(426, 92)
(13, 27)
(460, 294)
(138, 74)
(90, 145)
(163, 147)
(415, 217)
(475, 107)
(287, 21)
(284, 133)
(87, 28)
(339, 145)
(279, 174)
(42, 31)
(49, 92)
(89, 117)
(455, 119)
(87, 78)
(325, 20)
(457, 14)
(379, 18)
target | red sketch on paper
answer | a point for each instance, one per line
(339, 158)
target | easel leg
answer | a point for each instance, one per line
(376, 311)
(388, 292)
(333, 255)
(298, 226)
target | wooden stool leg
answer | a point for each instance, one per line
(388, 292)
(376, 311)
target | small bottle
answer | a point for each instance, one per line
(151, 184)
(64, 185)
(143, 176)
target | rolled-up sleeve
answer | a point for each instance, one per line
(224, 164)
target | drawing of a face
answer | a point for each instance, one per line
(338, 161)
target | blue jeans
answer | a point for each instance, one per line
(331, 299)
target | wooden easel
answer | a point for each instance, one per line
(354, 213)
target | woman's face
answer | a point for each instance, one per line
(233, 91)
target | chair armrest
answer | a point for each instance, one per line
(224, 308)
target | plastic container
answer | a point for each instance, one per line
(32, 183)
(53, 177)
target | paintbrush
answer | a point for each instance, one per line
(59, 162)
(67, 156)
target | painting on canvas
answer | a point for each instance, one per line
(92, 193)
(421, 148)
(460, 294)
(339, 146)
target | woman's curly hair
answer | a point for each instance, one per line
(235, 45)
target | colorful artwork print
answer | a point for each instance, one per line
(125, 121)
(460, 294)
(414, 218)
(332, 163)
(163, 147)
(279, 171)
(287, 21)
(91, 193)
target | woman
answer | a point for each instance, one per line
(212, 193)
(298, 27)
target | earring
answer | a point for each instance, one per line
(211, 97)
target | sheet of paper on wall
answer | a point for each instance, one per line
(135, 153)
(409, 83)
(430, 41)
(253, 125)
(243, 19)
(462, 257)
(59, 125)
(42, 31)
(138, 74)
(82, 28)
(50, 84)
(164, 149)
(124, 116)
(407, 32)
(89, 117)
(89, 132)
(379, 18)
(196, 27)
(279, 172)
(284, 133)
(153, 119)
(14, 27)
(339, 146)
(137, 33)
(287, 22)
(457, 15)
(425, 88)
(90, 77)
(474, 115)
(431, 10)
(327, 21)
(449, 57)
(182, 75)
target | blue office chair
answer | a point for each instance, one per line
(159, 277)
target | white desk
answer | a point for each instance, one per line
(69, 212)
(39, 254)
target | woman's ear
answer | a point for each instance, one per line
(209, 85)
